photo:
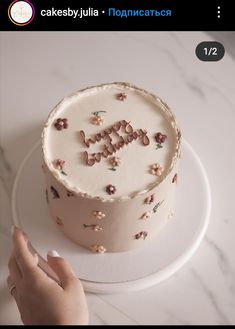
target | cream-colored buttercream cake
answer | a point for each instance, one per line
(110, 159)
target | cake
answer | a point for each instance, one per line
(111, 156)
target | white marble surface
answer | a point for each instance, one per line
(37, 69)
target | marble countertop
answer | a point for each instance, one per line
(38, 68)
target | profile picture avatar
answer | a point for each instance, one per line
(21, 12)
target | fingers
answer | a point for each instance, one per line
(62, 268)
(14, 270)
(24, 259)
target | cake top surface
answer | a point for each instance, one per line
(112, 141)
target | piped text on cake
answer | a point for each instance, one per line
(109, 148)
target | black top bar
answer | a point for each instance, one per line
(118, 15)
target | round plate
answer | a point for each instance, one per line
(118, 272)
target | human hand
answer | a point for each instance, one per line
(40, 299)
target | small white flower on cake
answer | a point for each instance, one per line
(146, 215)
(97, 228)
(98, 214)
(156, 169)
(97, 120)
(98, 248)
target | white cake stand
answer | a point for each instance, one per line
(118, 272)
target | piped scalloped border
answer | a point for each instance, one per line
(122, 85)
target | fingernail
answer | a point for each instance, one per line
(12, 229)
(53, 253)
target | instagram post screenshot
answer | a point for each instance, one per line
(117, 162)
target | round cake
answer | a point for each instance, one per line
(110, 159)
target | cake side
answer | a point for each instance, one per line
(111, 226)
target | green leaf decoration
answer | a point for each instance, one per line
(85, 225)
(97, 113)
(155, 208)
(113, 169)
(63, 172)
(159, 146)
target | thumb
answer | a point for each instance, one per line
(62, 268)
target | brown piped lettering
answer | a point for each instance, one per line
(109, 148)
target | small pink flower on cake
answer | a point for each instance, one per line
(121, 96)
(59, 164)
(98, 248)
(174, 179)
(160, 139)
(96, 119)
(149, 199)
(61, 124)
(146, 215)
(141, 235)
(98, 214)
(115, 162)
(156, 169)
(110, 189)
